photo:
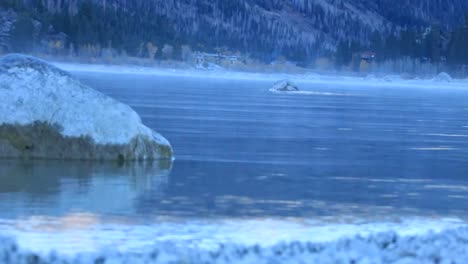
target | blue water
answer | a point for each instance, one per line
(369, 146)
(341, 153)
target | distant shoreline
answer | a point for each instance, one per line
(305, 77)
(133, 65)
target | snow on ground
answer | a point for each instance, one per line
(413, 242)
(86, 233)
(312, 77)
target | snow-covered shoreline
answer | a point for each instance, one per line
(448, 246)
(310, 77)
(87, 233)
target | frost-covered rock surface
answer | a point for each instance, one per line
(284, 86)
(46, 113)
(446, 247)
(443, 77)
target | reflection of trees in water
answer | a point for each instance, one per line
(60, 186)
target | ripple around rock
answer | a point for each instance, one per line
(47, 113)
(446, 247)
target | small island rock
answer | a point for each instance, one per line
(284, 86)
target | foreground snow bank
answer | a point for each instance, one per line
(46, 113)
(446, 247)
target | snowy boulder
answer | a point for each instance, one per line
(46, 113)
(284, 86)
(443, 77)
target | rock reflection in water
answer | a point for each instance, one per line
(43, 187)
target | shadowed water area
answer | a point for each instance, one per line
(335, 155)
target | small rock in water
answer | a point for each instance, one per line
(284, 86)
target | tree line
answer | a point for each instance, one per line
(92, 30)
(430, 44)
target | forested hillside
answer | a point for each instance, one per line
(298, 30)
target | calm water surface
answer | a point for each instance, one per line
(248, 158)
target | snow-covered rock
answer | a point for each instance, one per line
(443, 77)
(446, 247)
(284, 86)
(46, 113)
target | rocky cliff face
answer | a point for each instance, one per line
(46, 113)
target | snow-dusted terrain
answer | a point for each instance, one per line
(33, 91)
(86, 233)
(448, 246)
